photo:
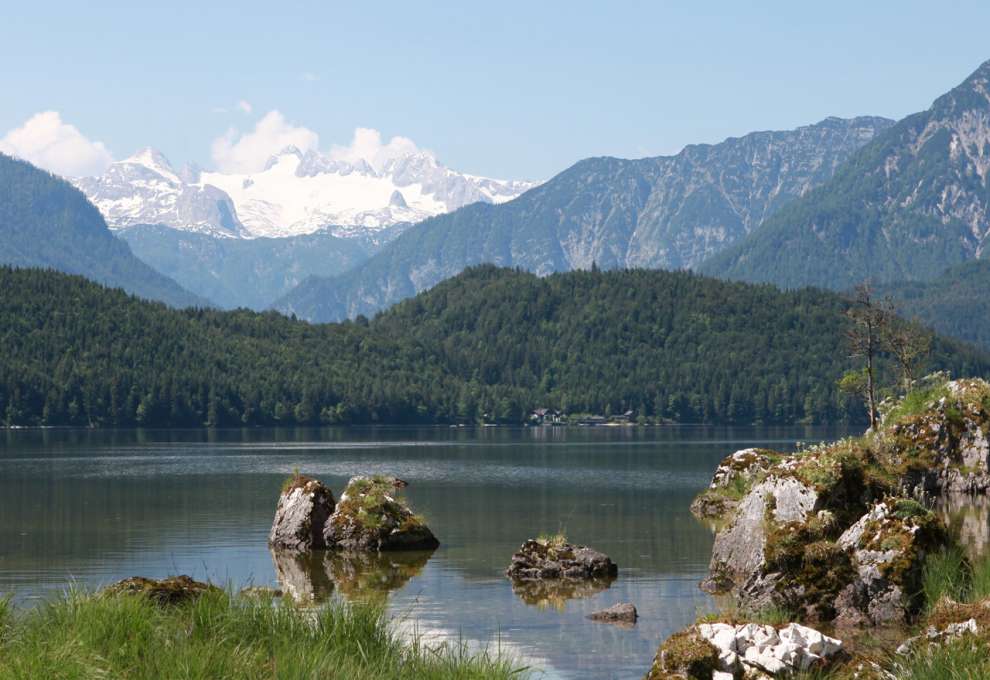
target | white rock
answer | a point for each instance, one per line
(722, 675)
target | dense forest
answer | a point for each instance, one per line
(488, 344)
(957, 303)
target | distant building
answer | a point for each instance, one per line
(546, 416)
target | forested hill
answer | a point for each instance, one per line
(489, 341)
(47, 222)
(957, 303)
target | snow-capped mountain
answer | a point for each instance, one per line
(296, 193)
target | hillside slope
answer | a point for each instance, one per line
(46, 222)
(665, 212)
(490, 343)
(905, 207)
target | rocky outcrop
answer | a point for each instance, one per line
(371, 516)
(622, 613)
(887, 547)
(553, 559)
(944, 448)
(166, 591)
(732, 479)
(738, 555)
(304, 507)
(934, 636)
(722, 651)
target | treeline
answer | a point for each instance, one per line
(490, 344)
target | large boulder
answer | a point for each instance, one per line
(717, 651)
(304, 507)
(738, 555)
(555, 558)
(371, 515)
(888, 546)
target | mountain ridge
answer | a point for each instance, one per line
(906, 206)
(47, 222)
(649, 212)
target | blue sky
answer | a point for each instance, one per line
(506, 89)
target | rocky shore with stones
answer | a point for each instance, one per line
(839, 536)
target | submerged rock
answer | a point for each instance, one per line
(304, 507)
(723, 650)
(166, 591)
(555, 559)
(371, 516)
(622, 613)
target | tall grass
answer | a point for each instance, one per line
(946, 574)
(964, 659)
(83, 637)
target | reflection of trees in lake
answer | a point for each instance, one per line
(968, 519)
(554, 593)
(312, 577)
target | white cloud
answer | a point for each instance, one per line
(245, 106)
(48, 142)
(248, 152)
(308, 77)
(367, 145)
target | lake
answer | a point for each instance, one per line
(91, 507)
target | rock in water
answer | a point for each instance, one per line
(371, 516)
(624, 612)
(301, 516)
(549, 559)
(171, 590)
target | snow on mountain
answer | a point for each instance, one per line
(145, 189)
(296, 193)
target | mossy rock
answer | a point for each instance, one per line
(371, 515)
(685, 655)
(167, 591)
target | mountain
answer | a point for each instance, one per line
(908, 205)
(668, 212)
(252, 273)
(296, 193)
(46, 222)
(956, 304)
(490, 341)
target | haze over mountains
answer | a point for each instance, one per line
(327, 237)
(663, 212)
(296, 193)
(46, 222)
(905, 207)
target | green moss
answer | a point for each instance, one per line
(686, 653)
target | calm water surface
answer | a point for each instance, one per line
(93, 507)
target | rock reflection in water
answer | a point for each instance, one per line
(968, 519)
(374, 574)
(554, 593)
(312, 577)
(302, 576)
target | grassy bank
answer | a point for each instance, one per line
(124, 637)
